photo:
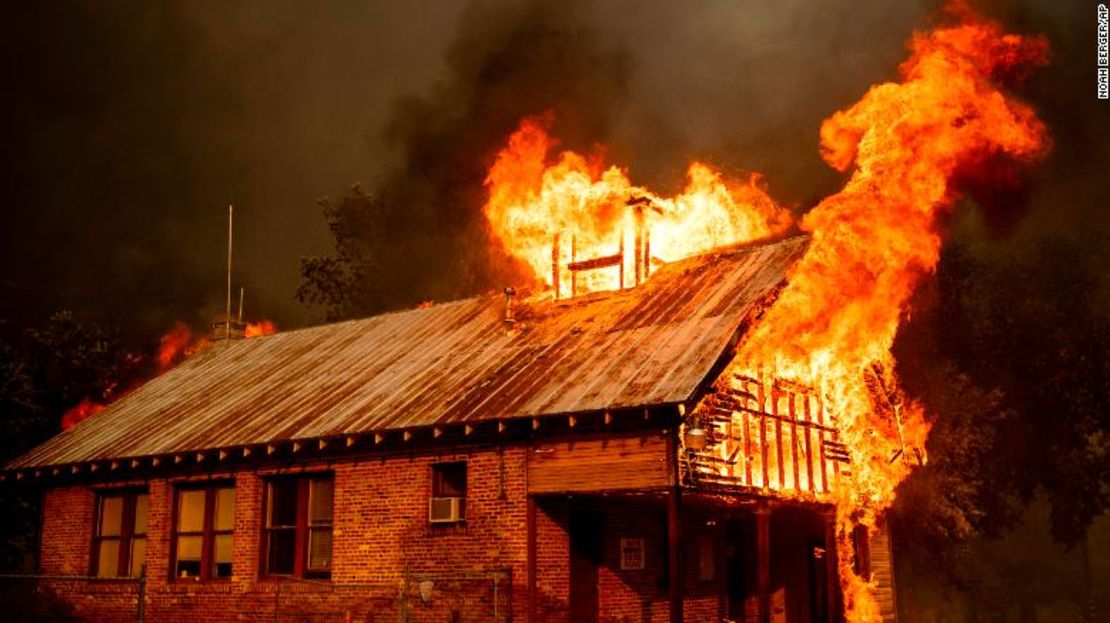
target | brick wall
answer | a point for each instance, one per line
(383, 547)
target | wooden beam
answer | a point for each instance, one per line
(200, 457)
(378, 438)
(608, 418)
(407, 435)
(468, 429)
(246, 452)
(222, 456)
(351, 439)
(177, 459)
(763, 560)
(535, 423)
(500, 427)
(437, 432)
(270, 449)
(297, 446)
(674, 553)
(531, 555)
(572, 421)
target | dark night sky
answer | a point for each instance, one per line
(129, 126)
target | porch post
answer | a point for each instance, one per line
(832, 570)
(531, 519)
(763, 560)
(674, 552)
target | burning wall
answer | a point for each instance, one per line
(906, 146)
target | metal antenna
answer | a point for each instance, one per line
(227, 327)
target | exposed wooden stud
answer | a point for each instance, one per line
(378, 438)
(407, 435)
(535, 423)
(222, 455)
(608, 418)
(297, 446)
(246, 452)
(270, 449)
(572, 421)
(351, 440)
(500, 427)
(437, 432)
(323, 444)
(468, 429)
(177, 458)
(200, 457)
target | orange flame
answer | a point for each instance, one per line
(834, 323)
(80, 411)
(259, 329)
(175, 345)
(532, 199)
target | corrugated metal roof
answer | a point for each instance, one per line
(449, 363)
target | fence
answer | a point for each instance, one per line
(485, 597)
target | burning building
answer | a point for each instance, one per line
(695, 415)
(538, 459)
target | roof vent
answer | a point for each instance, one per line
(508, 317)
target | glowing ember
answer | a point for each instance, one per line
(594, 209)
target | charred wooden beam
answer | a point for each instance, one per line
(596, 262)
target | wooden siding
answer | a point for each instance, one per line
(587, 465)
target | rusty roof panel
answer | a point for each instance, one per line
(449, 363)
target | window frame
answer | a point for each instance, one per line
(438, 470)
(208, 533)
(126, 537)
(302, 528)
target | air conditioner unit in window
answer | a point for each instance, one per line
(447, 510)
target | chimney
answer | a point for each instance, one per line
(223, 330)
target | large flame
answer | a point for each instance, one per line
(832, 327)
(834, 323)
(532, 199)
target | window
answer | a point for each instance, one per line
(119, 538)
(297, 535)
(202, 531)
(448, 503)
